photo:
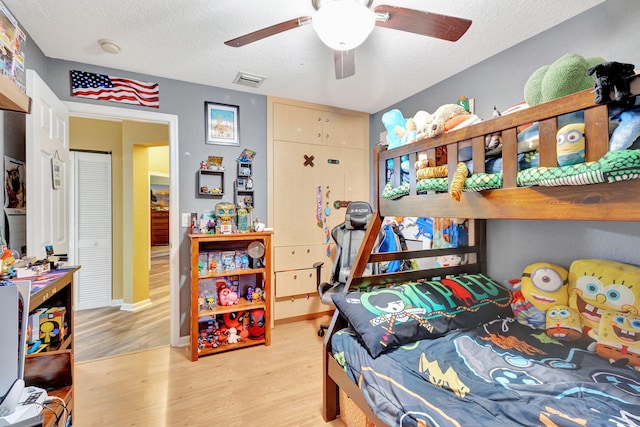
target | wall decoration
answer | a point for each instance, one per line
(116, 89)
(159, 196)
(14, 190)
(221, 121)
(56, 174)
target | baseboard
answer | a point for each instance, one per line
(117, 302)
(137, 306)
(184, 341)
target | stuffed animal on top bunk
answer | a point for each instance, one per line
(566, 75)
(446, 117)
(570, 144)
(613, 77)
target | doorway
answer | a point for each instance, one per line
(100, 112)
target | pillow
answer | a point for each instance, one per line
(391, 317)
(599, 285)
(617, 340)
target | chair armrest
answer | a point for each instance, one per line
(318, 266)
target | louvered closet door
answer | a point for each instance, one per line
(91, 228)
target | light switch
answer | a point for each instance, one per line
(186, 219)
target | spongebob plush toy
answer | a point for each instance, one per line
(563, 323)
(619, 338)
(597, 286)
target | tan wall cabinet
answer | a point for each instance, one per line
(317, 157)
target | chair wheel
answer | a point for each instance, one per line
(320, 332)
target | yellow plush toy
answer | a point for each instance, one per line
(598, 285)
(563, 323)
(619, 338)
(542, 286)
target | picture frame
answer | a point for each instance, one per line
(221, 123)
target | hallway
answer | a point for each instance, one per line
(108, 331)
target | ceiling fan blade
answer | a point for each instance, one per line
(268, 31)
(429, 24)
(345, 63)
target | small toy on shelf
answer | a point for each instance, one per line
(246, 156)
(226, 213)
(214, 163)
(257, 323)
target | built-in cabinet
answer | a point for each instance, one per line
(319, 158)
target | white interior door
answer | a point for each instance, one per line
(90, 228)
(46, 139)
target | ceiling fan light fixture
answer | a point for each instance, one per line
(343, 24)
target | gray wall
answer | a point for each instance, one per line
(609, 30)
(185, 100)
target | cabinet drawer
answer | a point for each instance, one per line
(297, 257)
(296, 282)
(299, 306)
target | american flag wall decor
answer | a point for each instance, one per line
(117, 89)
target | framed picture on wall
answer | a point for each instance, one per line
(221, 121)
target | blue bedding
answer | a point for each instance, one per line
(499, 374)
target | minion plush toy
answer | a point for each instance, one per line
(542, 286)
(570, 143)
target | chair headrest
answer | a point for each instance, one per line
(358, 215)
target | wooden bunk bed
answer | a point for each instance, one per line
(618, 201)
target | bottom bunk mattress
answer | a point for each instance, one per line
(500, 374)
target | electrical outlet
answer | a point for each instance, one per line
(186, 219)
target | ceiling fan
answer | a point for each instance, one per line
(345, 24)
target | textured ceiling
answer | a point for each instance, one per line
(183, 40)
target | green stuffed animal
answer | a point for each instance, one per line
(565, 76)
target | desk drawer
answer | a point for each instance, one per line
(297, 257)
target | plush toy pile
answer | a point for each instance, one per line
(595, 298)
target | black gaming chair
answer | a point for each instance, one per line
(348, 237)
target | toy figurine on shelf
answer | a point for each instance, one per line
(258, 225)
(225, 213)
(243, 220)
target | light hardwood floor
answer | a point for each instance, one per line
(109, 331)
(118, 384)
(275, 386)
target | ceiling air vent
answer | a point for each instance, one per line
(248, 79)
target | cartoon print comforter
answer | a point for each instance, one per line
(499, 374)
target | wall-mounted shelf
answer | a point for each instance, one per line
(12, 98)
(210, 183)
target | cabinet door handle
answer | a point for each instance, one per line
(295, 277)
(308, 251)
(308, 296)
(293, 299)
(293, 252)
